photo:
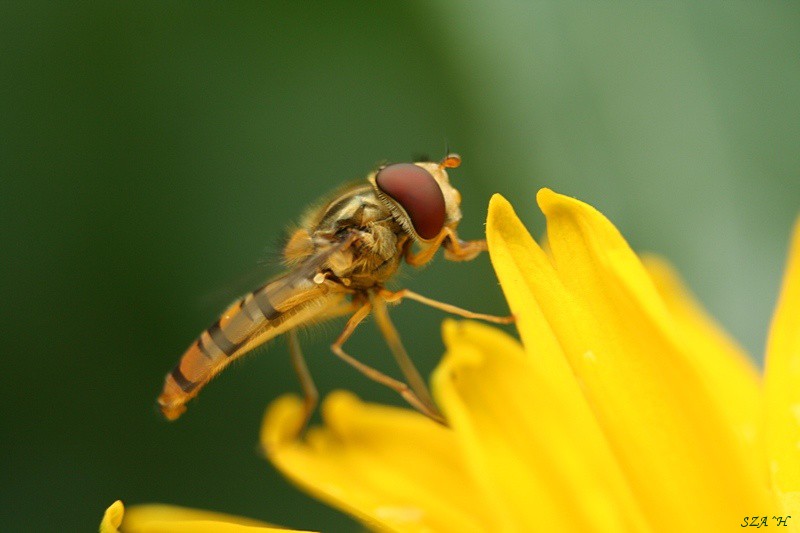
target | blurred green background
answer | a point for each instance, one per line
(151, 154)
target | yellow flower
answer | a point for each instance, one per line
(624, 408)
(157, 518)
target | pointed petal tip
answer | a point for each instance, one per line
(282, 422)
(448, 327)
(455, 331)
(545, 193)
(497, 205)
(548, 198)
(497, 197)
(501, 215)
(112, 518)
(467, 342)
(338, 407)
(449, 331)
(549, 201)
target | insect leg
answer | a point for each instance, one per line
(425, 255)
(398, 296)
(455, 249)
(310, 394)
(400, 355)
(374, 374)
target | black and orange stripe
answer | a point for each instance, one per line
(261, 315)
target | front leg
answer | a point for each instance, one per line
(454, 248)
(457, 250)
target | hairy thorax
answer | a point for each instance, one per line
(378, 246)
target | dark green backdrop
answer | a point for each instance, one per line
(152, 152)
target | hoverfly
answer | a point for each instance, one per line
(339, 259)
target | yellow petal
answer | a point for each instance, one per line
(393, 469)
(782, 388)
(112, 518)
(540, 458)
(668, 432)
(728, 372)
(158, 518)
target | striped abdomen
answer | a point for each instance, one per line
(258, 317)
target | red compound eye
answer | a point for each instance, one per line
(418, 193)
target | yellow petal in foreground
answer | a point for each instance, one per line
(783, 385)
(156, 518)
(539, 458)
(726, 369)
(391, 468)
(668, 432)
